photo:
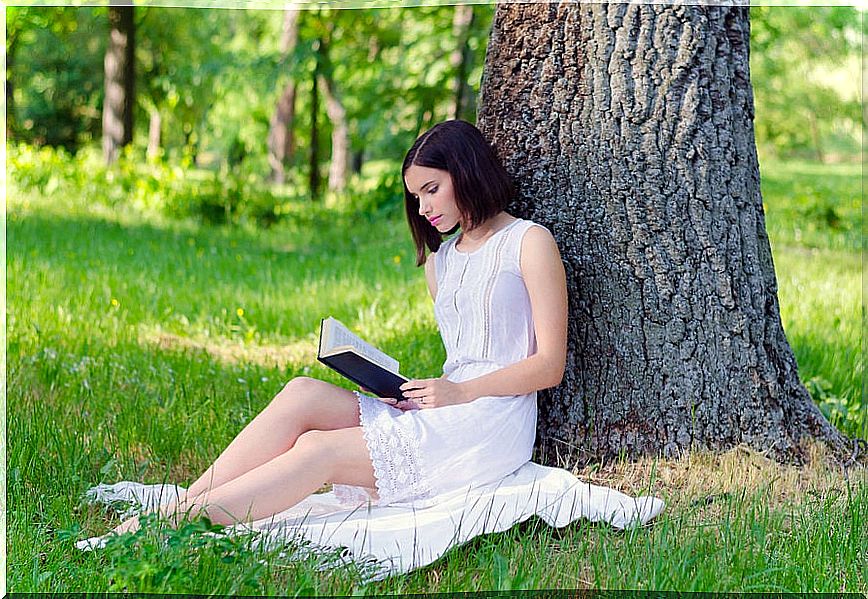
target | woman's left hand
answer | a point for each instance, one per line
(432, 393)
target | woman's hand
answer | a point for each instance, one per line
(432, 393)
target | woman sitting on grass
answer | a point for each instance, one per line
(500, 303)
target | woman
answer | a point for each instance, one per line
(500, 302)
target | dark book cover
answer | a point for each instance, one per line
(376, 379)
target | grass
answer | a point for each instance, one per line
(138, 346)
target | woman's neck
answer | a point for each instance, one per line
(486, 229)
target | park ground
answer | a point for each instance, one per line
(139, 341)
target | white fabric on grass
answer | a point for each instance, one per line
(397, 539)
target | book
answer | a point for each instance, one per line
(358, 360)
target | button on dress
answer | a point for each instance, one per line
(484, 315)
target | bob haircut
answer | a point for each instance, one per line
(481, 185)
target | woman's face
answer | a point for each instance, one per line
(433, 188)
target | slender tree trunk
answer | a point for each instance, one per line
(281, 143)
(339, 163)
(154, 134)
(629, 131)
(460, 59)
(314, 131)
(117, 115)
(358, 160)
(815, 137)
(10, 95)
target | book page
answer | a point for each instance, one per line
(341, 335)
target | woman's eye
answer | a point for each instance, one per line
(433, 190)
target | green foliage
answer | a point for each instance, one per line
(383, 198)
(57, 90)
(214, 77)
(218, 197)
(805, 73)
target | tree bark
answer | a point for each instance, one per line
(117, 115)
(281, 142)
(314, 129)
(340, 159)
(339, 164)
(629, 131)
(460, 60)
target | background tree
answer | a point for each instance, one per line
(630, 131)
(120, 78)
(208, 82)
(461, 61)
(340, 138)
(280, 133)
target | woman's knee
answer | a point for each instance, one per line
(315, 445)
(340, 455)
(315, 404)
(297, 391)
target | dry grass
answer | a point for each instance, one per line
(227, 352)
(703, 477)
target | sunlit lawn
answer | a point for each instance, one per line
(138, 346)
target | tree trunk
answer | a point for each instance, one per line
(460, 60)
(340, 160)
(629, 131)
(314, 132)
(10, 92)
(358, 160)
(339, 163)
(280, 138)
(117, 114)
(815, 137)
(154, 134)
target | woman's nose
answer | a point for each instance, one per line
(423, 208)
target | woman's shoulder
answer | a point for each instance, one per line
(531, 231)
(531, 224)
(537, 242)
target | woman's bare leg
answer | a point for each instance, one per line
(318, 457)
(304, 404)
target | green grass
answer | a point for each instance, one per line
(138, 346)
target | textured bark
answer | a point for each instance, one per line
(117, 114)
(460, 59)
(629, 132)
(281, 143)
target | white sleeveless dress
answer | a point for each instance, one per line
(483, 312)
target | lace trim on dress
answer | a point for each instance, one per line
(394, 456)
(350, 496)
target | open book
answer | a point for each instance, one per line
(357, 360)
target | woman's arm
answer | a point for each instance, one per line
(545, 279)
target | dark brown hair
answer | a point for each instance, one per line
(481, 185)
